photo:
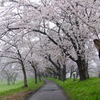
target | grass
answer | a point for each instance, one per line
(83, 90)
(4, 86)
(16, 90)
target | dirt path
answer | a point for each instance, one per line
(50, 91)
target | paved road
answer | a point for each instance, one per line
(50, 91)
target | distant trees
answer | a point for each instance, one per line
(9, 74)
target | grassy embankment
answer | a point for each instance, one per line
(16, 91)
(83, 90)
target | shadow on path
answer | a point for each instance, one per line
(50, 91)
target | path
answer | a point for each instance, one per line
(50, 91)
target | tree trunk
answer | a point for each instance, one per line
(23, 68)
(59, 74)
(83, 69)
(74, 77)
(77, 73)
(8, 81)
(71, 72)
(35, 77)
(39, 75)
(63, 75)
(99, 75)
(64, 72)
(25, 77)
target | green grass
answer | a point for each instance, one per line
(81, 90)
(4, 86)
(6, 90)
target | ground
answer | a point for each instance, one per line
(50, 91)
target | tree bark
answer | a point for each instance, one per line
(71, 72)
(64, 72)
(23, 68)
(83, 69)
(77, 73)
(59, 74)
(39, 75)
(99, 75)
(35, 76)
(25, 77)
(8, 80)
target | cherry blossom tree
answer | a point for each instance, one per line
(68, 25)
(68, 14)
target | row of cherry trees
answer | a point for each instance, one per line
(49, 34)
